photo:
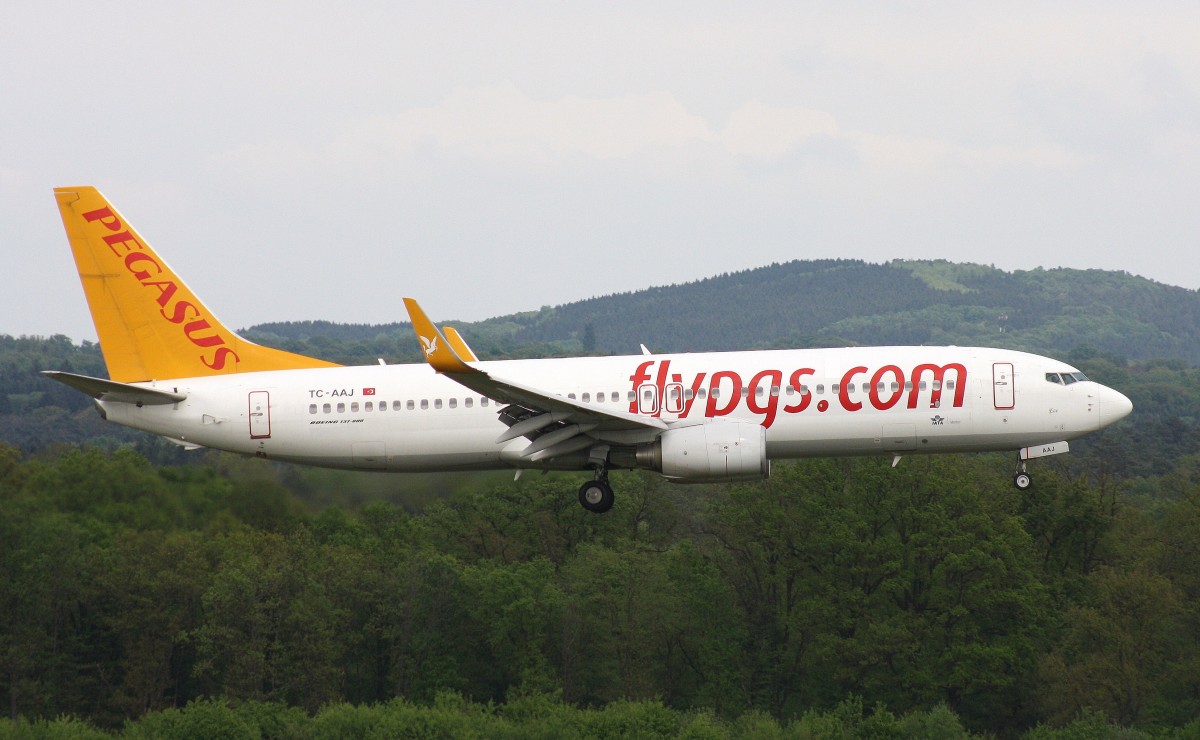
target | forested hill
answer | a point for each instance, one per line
(178, 594)
(832, 302)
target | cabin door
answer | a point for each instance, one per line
(260, 415)
(1003, 391)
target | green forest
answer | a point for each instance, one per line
(148, 592)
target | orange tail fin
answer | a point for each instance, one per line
(150, 325)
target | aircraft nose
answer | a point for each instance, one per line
(1114, 406)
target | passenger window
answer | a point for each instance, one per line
(312, 408)
(571, 396)
(368, 406)
(408, 405)
(341, 408)
(354, 407)
(820, 388)
(849, 387)
(483, 401)
(437, 403)
(453, 403)
(835, 388)
(895, 386)
(326, 409)
(424, 404)
(586, 398)
(469, 402)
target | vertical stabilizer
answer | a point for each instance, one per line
(150, 324)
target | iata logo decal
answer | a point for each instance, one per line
(724, 391)
(196, 328)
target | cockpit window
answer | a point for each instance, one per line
(1065, 378)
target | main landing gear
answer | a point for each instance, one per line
(596, 495)
(1022, 479)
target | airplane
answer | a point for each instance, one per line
(176, 371)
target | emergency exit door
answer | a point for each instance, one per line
(260, 415)
(1003, 391)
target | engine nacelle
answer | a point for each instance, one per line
(708, 453)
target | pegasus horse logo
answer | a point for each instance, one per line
(429, 345)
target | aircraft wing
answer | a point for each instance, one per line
(111, 390)
(556, 424)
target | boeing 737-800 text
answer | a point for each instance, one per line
(176, 371)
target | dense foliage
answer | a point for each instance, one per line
(934, 587)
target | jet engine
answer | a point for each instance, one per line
(718, 451)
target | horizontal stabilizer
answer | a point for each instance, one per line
(111, 390)
(189, 446)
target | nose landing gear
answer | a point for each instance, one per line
(1022, 480)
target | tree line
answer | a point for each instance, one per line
(934, 589)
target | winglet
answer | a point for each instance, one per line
(438, 349)
(458, 344)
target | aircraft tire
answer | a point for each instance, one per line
(596, 496)
(1022, 481)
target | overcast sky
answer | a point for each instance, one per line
(303, 160)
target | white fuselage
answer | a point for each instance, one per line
(814, 402)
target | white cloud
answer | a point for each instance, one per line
(502, 125)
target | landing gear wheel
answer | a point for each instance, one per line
(1022, 481)
(596, 496)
